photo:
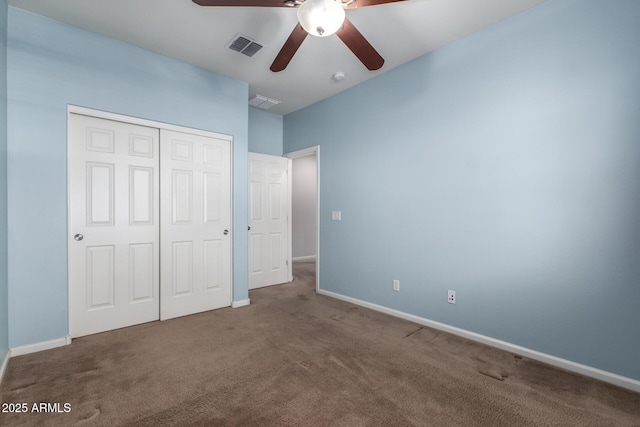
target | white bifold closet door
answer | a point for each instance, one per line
(148, 210)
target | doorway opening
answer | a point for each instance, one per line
(305, 209)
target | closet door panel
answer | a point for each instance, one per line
(114, 224)
(196, 213)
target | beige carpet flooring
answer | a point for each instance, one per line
(295, 358)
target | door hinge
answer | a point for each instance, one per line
(286, 262)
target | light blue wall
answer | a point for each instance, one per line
(505, 167)
(265, 132)
(52, 65)
(4, 306)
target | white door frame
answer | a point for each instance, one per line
(295, 155)
(74, 109)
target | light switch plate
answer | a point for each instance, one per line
(336, 216)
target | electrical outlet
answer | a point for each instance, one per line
(451, 297)
(396, 285)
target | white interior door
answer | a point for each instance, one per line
(113, 225)
(196, 223)
(269, 243)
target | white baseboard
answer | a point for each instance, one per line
(40, 346)
(5, 362)
(241, 303)
(619, 380)
(304, 258)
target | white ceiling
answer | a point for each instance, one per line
(198, 35)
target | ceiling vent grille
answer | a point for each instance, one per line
(244, 45)
(262, 102)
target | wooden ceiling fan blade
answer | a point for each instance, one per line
(250, 3)
(281, 3)
(360, 47)
(364, 3)
(289, 49)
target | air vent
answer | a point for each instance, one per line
(244, 45)
(262, 102)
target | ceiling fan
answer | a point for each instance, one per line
(320, 18)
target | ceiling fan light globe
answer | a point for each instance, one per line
(321, 18)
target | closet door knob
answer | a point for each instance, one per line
(78, 237)
(226, 232)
